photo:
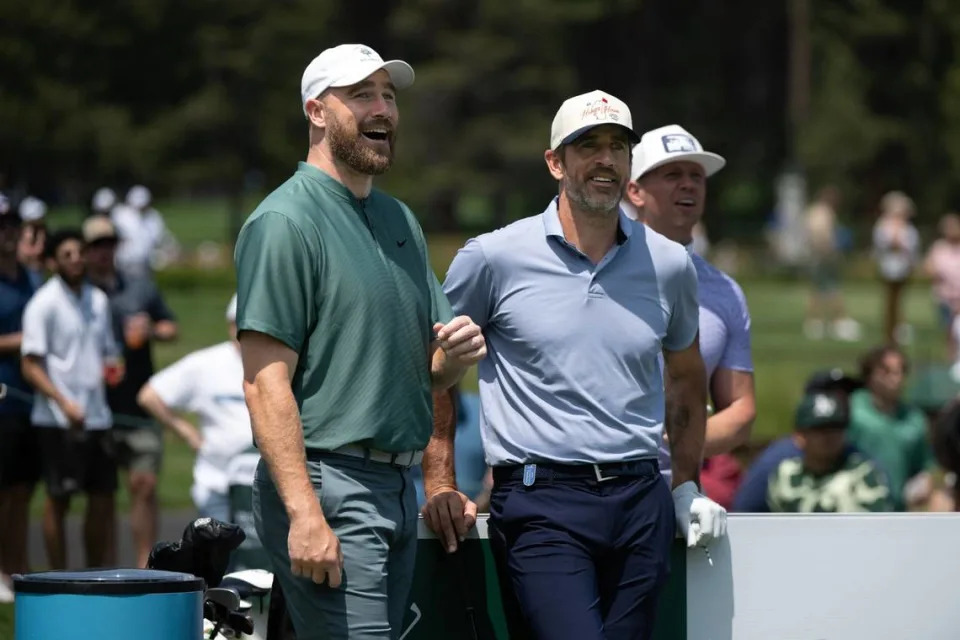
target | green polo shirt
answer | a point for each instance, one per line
(898, 441)
(347, 284)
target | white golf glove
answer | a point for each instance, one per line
(700, 519)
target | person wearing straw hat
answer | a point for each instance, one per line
(578, 304)
(344, 332)
(668, 188)
(140, 318)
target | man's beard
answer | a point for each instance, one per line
(73, 280)
(349, 148)
(600, 204)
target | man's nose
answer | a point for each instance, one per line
(380, 107)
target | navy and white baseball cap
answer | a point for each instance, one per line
(586, 111)
(672, 143)
(346, 65)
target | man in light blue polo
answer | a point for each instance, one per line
(576, 305)
(668, 188)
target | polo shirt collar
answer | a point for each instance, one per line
(552, 227)
(326, 181)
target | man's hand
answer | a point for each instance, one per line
(700, 519)
(137, 330)
(314, 549)
(450, 514)
(74, 413)
(461, 340)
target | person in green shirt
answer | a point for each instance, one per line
(828, 477)
(890, 431)
(344, 334)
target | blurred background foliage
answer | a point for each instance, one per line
(201, 97)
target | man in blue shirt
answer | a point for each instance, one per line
(577, 305)
(19, 447)
(668, 189)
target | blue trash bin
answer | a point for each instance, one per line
(108, 604)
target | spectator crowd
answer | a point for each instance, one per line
(84, 409)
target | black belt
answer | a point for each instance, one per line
(554, 471)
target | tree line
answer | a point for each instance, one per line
(202, 96)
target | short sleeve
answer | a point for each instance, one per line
(440, 309)
(469, 284)
(176, 384)
(685, 312)
(276, 280)
(34, 335)
(737, 353)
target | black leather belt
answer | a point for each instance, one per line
(528, 473)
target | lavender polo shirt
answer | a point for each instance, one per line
(724, 329)
(572, 373)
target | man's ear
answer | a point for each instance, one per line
(554, 162)
(636, 195)
(316, 113)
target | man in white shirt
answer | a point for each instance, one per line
(68, 355)
(208, 383)
(142, 232)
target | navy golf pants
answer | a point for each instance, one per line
(581, 559)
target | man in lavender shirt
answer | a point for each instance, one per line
(667, 191)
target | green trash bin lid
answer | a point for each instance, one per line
(107, 582)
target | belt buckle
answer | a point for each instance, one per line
(600, 476)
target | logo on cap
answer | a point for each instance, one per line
(676, 143)
(824, 406)
(600, 110)
(366, 52)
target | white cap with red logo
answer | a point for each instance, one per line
(586, 111)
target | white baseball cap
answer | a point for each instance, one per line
(671, 143)
(232, 309)
(103, 199)
(138, 197)
(32, 209)
(588, 110)
(346, 65)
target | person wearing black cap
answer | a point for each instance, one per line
(826, 477)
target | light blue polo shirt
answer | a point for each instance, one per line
(572, 372)
(724, 329)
